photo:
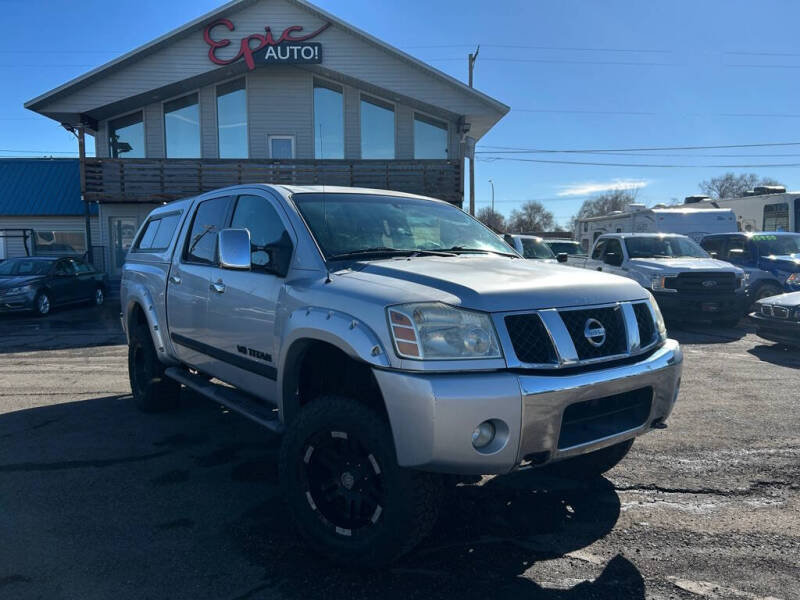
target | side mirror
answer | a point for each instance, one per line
(562, 257)
(613, 259)
(713, 254)
(234, 249)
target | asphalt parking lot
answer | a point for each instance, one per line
(100, 501)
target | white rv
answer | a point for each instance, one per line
(693, 221)
(766, 208)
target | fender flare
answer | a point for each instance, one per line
(139, 296)
(341, 330)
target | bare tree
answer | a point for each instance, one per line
(731, 185)
(531, 217)
(603, 204)
(492, 219)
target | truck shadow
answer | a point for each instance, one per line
(699, 333)
(187, 505)
(777, 354)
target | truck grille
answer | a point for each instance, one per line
(644, 320)
(613, 343)
(585, 422)
(703, 282)
(779, 312)
(588, 334)
(530, 340)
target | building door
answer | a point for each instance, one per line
(122, 231)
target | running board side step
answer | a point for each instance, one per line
(231, 398)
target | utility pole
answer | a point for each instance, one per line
(472, 59)
(492, 182)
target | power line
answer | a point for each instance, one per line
(510, 149)
(7, 150)
(637, 113)
(641, 165)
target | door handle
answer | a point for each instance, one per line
(175, 279)
(218, 287)
(599, 268)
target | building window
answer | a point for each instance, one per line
(126, 137)
(377, 129)
(776, 217)
(232, 119)
(328, 121)
(52, 243)
(430, 138)
(182, 127)
(281, 146)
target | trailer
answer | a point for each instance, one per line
(690, 220)
(767, 208)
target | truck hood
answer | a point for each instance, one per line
(679, 265)
(784, 263)
(789, 300)
(493, 283)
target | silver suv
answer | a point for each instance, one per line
(391, 339)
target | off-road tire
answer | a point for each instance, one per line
(411, 498)
(594, 464)
(152, 390)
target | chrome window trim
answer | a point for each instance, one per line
(566, 354)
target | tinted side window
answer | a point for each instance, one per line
(714, 245)
(257, 215)
(81, 267)
(146, 241)
(65, 268)
(599, 249)
(613, 247)
(158, 233)
(209, 219)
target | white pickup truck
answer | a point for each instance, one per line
(687, 283)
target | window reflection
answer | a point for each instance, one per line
(182, 127)
(328, 121)
(430, 138)
(126, 137)
(377, 129)
(232, 119)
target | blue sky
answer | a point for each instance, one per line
(577, 74)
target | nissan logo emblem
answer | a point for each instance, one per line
(709, 283)
(594, 332)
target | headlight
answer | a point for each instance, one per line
(18, 290)
(793, 279)
(660, 325)
(659, 283)
(744, 280)
(435, 331)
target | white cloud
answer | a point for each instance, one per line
(594, 187)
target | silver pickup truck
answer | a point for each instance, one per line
(394, 342)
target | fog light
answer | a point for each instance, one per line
(483, 434)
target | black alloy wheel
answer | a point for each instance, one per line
(343, 481)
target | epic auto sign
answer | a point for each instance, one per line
(291, 47)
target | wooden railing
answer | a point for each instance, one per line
(159, 180)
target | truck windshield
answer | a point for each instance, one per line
(24, 266)
(777, 245)
(663, 247)
(346, 225)
(533, 248)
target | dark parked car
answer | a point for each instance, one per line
(40, 283)
(777, 319)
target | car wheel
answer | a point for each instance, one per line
(349, 498)
(99, 296)
(594, 464)
(42, 304)
(152, 390)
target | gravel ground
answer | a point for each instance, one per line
(99, 501)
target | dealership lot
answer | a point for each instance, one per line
(100, 501)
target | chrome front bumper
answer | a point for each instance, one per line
(433, 415)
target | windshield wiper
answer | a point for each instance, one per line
(463, 250)
(385, 251)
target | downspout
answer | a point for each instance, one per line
(86, 211)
